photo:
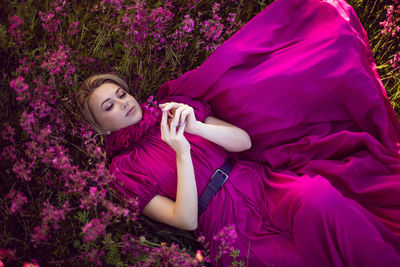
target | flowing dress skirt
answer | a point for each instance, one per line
(300, 78)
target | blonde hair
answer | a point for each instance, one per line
(86, 90)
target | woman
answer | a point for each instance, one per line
(284, 210)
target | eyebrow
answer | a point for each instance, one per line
(116, 92)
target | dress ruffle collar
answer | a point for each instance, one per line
(126, 138)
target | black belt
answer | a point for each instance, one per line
(217, 180)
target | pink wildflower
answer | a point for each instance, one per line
(94, 256)
(198, 256)
(73, 28)
(396, 61)
(23, 169)
(93, 198)
(31, 264)
(56, 60)
(52, 215)
(24, 65)
(212, 29)
(17, 200)
(27, 122)
(40, 233)
(391, 24)
(50, 24)
(18, 84)
(117, 4)
(7, 254)
(20, 88)
(13, 29)
(187, 24)
(9, 133)
(226, 238)
(92, 230)
(9, 153)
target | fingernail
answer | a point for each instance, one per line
(180, 124)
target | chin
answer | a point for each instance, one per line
(136, 119)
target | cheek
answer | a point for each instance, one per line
(116, 115)
(109, 118)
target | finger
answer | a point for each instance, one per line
(171, 112)
(163, 104)
(176, 119)
(170, 106)
(173, 123)
(181, 129)
(164, 127)
(184, 115)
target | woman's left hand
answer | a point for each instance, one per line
(179, 113)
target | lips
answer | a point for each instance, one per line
(130, 111)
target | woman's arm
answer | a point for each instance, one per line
(181, 213)
(229, 136)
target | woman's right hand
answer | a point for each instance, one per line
(173, 138)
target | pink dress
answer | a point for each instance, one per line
(321, 184)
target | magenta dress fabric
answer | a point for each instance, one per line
(321, 184)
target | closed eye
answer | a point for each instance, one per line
(110, 107)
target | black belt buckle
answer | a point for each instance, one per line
(214, 185)
(223, 173)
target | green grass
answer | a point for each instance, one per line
(105, 46)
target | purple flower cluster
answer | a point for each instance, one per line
(8, 133)
(185, 30)
(20, 87)
(151, 104)
(18, 199)
(117, 4)
(7, 254)
(391, 27)
(168, 256)
(93, 230)
(226, 238)
(50, 220)
(94, 256)
(73, 28)
(391, 24)
(396, 61)
(93, 198)
(51, 20)
(161, 18)
(9, 153)
(15, 29)
(212, 28)
(54, 61)
(52, 215)
(23, 169)
(50, 24)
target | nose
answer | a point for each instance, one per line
(124, 104)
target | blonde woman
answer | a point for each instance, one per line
(284, 132)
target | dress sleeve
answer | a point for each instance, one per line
(201, 109)
(131, 182)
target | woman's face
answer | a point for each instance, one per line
(113, 108)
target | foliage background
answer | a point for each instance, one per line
(56, 207)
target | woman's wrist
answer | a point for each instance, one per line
(182, 155)
(197, 129)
